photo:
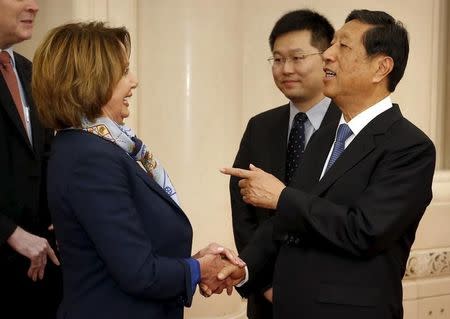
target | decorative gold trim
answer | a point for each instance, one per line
(428, 263)
(149, 162)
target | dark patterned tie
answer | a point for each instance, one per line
(296, 145)
(342, 135)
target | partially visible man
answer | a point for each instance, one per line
(347, 226)
(30, 287)
(275, 140)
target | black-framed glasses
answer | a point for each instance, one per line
(278, 61)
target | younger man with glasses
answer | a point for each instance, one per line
(275, 140)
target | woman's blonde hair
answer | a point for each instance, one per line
(75, 70)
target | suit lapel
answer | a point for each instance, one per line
(10, 108)
(8, 102)
(312, 163)
(155, 187)
(278, 143)
(317, 150)
(359, 148)
(36, 128)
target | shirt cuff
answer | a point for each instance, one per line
(194, 265)
(244, 281)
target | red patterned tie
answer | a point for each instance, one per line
(11, 80)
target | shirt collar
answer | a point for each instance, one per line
(315, 114)
(357, 123)
(11, 54)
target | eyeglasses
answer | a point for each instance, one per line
(278, 61)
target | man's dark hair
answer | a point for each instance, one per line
(322, 31)
(388, 37)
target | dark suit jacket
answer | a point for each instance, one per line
(122, 239)
(22, 197)
(263, 144)
(345, 239)
(23, 202)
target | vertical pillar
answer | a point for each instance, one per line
(190, 63)
(115, 13)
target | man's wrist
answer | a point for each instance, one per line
(246, 278)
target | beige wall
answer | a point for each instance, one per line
(447, 95)
(203, 73)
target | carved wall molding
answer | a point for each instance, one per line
(428, 263)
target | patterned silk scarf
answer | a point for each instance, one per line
(124, 137)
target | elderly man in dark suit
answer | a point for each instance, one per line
(275, 140)
(341, 236)
(25, 237)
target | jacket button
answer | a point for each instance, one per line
(291, 240)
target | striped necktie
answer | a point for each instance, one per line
(342, 135)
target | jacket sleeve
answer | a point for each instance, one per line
(101, 196)
(8, 203)
(7, 227)
(259, 255)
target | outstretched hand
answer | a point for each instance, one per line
(258, 188)
(216, 249)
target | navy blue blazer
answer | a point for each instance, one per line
(122, 239)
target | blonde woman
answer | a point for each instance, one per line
(125, 243)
